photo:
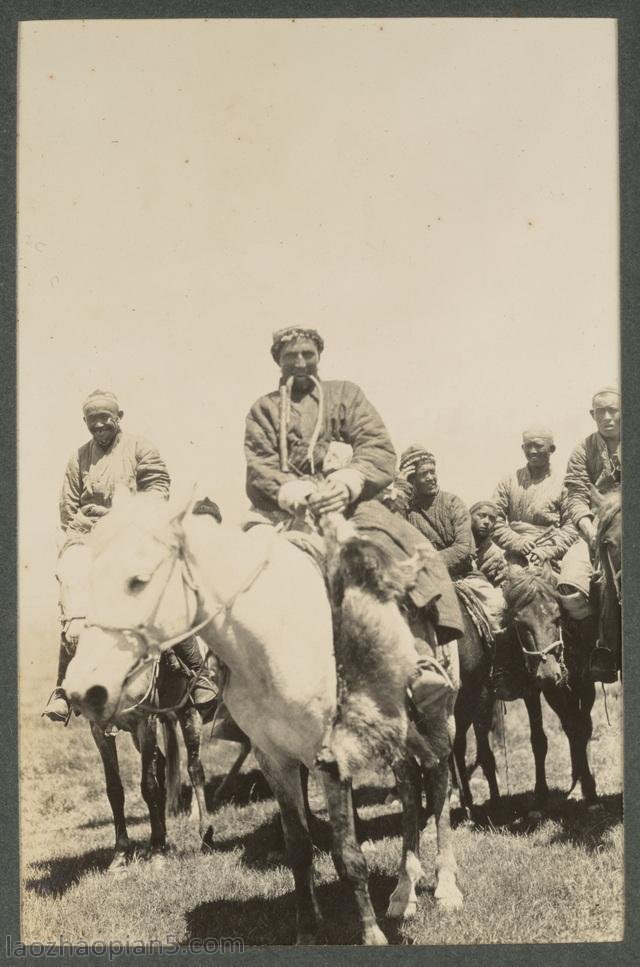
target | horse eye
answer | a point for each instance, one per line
(138, 582)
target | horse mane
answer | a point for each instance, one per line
(522, 586)
(143, 511)
(606, 511)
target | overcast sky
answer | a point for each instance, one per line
(437, 197)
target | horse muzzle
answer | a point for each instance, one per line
(95, 675)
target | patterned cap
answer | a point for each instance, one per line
(413, 457)
(283, 336)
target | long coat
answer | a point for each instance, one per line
(351, 419)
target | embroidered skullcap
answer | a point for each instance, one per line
(609, 390)
(101, 401)
(479, 504)
(538, 433)
(412, 457)
(283, 336)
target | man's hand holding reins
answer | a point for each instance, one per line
(331, 496)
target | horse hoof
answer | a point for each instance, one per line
(450, 901)
(157, 861)
(207, 845)
(374, 937)
(117, 865)
(399, 910)
(595, 807)
(534, 815)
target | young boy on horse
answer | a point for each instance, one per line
(111, 458)
(291, 440)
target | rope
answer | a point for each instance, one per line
(503, 713)
(606, 710)
(318, 426)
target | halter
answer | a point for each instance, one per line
(544, 653)
(153, 649)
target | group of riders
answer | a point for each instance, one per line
(315, 447)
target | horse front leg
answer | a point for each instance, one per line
(347, 856)
(191, 726)
(106, 745)
(574, 711)
(152, 784)
(482, 724)
(447, 893)
(284, 779)
(463, 721)
(539, 746)
(403, 901)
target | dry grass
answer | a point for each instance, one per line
(558, 880)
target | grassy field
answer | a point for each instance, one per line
(557, 880)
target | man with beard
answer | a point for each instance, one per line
(292, 442)
(440, 516)
(110, 459)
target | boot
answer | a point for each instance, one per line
(204, 693)
(602, 665)
(57, 708)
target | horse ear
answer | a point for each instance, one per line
(177, 519)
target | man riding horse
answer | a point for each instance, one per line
(111, 458)
(489, 558)
(533, 523)
(440, 516)
(293, 440)
(594, 463)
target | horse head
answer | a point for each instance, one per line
(533, 611)
(141, 601)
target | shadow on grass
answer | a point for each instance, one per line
(576, 822)
(261, 921)
(264, 847)
(60, 874)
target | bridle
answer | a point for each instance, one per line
(555, 649)
(152, 650)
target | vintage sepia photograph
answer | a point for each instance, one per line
(319, 530)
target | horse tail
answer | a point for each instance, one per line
(172, 755)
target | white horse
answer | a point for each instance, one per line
(262, 607)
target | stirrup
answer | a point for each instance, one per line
(57, 693)
(602, 665)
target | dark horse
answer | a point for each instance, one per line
(549, 664)
(150, 690)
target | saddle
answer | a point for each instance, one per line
(476, 611)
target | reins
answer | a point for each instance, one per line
(153, 650)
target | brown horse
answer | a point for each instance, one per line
(474, 706)
(150, 690)
(556, 666)
(548, 659)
